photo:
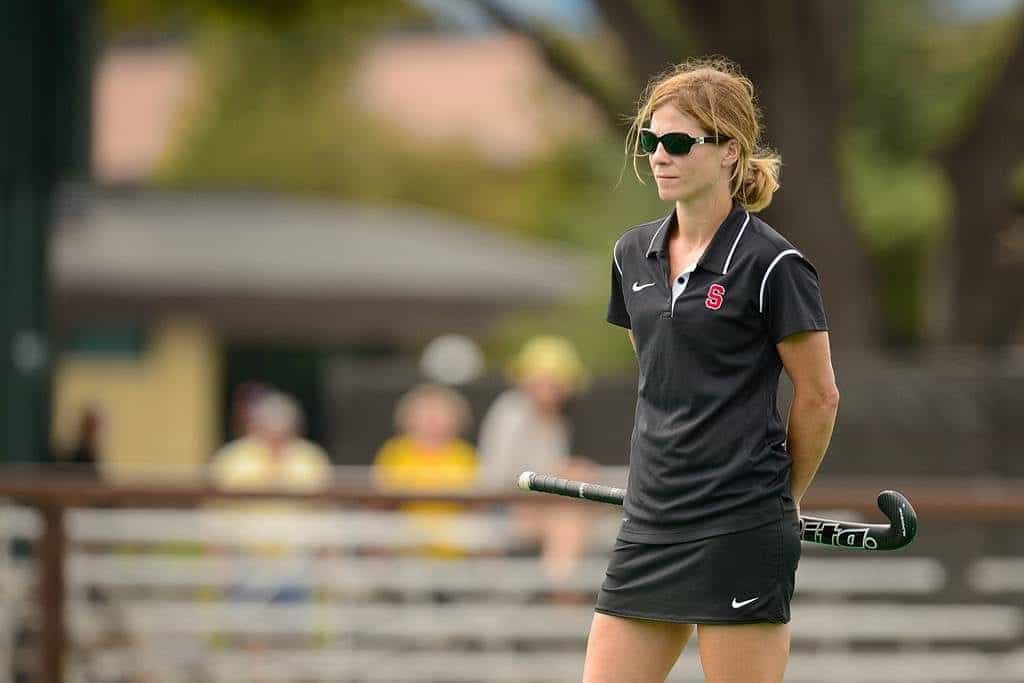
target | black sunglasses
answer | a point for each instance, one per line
(676, 144)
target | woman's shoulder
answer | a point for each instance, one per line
(767, 243)
(639, 236)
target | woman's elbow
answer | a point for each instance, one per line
(830, 398)
(823, 397)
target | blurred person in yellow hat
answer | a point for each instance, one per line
(526, 428)
(552, 360)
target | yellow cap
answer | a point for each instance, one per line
(550, 356)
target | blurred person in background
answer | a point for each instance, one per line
(429, 455)
(244, 399)
(526, 429)
(272, 454)
(86, 452)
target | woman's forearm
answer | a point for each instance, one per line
(811, 419)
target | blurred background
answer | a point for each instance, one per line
(325, 247)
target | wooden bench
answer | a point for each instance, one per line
(493, 622)
(164, 576)
(417, 576)
(997, 575)
(392, 666)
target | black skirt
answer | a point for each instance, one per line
(738, 578)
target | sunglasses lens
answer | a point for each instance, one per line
(677, 144)
(648, 142)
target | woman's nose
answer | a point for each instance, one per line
(660, 156)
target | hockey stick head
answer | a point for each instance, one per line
(902, 520)
(898, 533)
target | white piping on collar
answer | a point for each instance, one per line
(764, 280)
(658, 231)
(736, 241)
(615, 255)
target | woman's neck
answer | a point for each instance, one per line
(698, 218)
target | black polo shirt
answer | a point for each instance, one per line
(708, 453)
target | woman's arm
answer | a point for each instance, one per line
(808, 363)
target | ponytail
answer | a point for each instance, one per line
(759, 181)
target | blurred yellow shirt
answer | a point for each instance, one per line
(401, 463)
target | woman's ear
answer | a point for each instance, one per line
(731, 154)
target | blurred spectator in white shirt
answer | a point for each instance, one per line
(526, 429)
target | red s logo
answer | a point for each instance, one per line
(715, 294)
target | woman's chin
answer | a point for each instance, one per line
(669, 194)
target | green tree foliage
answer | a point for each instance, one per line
(918, 78)
(277, 114)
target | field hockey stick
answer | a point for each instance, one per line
(898, 533)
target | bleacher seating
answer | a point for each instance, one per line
(150, 593)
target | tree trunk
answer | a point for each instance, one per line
(649, 49)
(797, 54)
(987, 242)
(560, 61)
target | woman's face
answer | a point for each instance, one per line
(693, 174)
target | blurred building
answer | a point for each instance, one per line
(139, 98)
(164, 301)
(156, 295)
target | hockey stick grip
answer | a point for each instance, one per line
(547, 483)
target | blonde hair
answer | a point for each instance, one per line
(714, 92)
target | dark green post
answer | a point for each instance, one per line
(45, 100)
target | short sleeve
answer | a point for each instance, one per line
(791, 298)
(617, 314)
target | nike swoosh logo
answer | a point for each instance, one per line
(637, 286)
(737, 605)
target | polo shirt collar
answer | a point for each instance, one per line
(719, 252)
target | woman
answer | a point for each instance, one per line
(716, 303)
